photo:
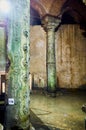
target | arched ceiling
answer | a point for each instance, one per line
(51, 7)
(75, 9)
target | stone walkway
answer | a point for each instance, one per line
(61, 113)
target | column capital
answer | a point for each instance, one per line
(50, 22)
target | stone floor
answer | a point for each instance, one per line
(64, 112)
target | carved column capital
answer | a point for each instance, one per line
(50, 23)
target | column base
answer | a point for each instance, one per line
(51, 93)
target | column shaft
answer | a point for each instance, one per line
(50, 23)
(51, 61)
(17, 110)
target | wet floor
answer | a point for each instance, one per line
(61, 113)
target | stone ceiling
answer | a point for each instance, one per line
(59, 8)
(51, 7)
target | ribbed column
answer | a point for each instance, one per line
(50, 24)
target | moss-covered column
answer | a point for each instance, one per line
(50, 24)
(17, 111)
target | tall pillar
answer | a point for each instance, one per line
(17, 110)
(50, 24)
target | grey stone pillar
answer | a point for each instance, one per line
(50, 24)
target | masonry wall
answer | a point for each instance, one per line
(70, 56)
(2, 49)
(2, 54)
(38, 56)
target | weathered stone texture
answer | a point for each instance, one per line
(17, 114)
(38, 55)
(2, 49)
(70, 56)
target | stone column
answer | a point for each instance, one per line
(50, 24)
(17, 110)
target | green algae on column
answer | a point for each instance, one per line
(50, 23)
(51, 61)
(17, 114)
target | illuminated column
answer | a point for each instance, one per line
(17, 111)
(50, 24)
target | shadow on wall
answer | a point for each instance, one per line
(83, 87)
(36, 86)
(37, 81)
(83, 26)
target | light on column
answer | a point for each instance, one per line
(5, 6)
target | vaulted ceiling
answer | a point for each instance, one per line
(52, 7)
(74, 10)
